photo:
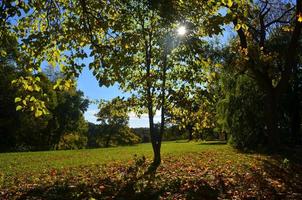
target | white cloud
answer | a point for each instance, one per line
(143, 120)
(90, 115)
(134, 120)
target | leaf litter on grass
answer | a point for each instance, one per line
(205, 175)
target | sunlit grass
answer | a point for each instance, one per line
(14, 163)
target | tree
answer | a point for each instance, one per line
(113, 118)
(8, 115)
(130, 54)
(240, 109)
(192, 97)
(266, 18)
(76, 138)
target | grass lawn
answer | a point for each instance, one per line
(188, 171)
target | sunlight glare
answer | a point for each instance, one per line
(181, 30)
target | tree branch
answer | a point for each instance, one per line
(242, 36)
(279, 19)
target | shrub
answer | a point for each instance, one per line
(242, 114)
(73, 141)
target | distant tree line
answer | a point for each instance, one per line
(63, 126)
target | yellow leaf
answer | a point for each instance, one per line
(30, 88)
(37, 88)
(3, 53)
(67, 85)
(244, 26)
(14, 81)
(56, 55)
(237, 27)
(300, 17)
(230, 3)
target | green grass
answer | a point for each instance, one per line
(15, 163)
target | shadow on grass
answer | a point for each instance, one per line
(294, 154)
(273, 178)
(213, 143)
(182, 141)
(61, 191)
(137, 182)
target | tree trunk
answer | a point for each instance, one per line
(295, 113)
(295, 122)
(108, 140)
(225, 136)
(163, 97)
(155, 137)
(271, 115)
(190, 129)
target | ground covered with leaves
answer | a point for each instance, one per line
(212, 172)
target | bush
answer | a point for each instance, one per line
(242, 114)
(108, 135)
(72, 141)
(128, 137)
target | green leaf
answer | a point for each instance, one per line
(17, 99)
(45, 112)
(38, 113)
(18, 108)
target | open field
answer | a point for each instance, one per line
(37, 162)
(189, 171)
